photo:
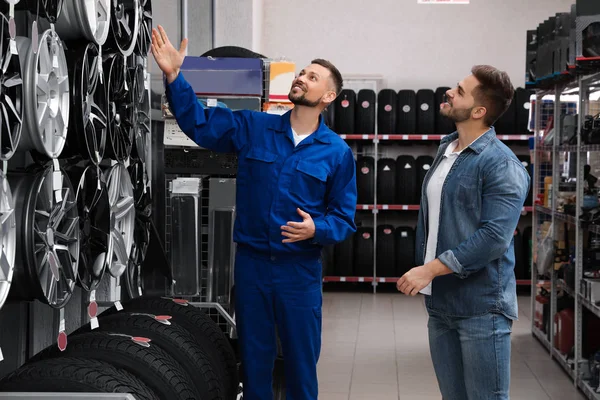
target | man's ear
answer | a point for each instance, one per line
(479, 112)
(329, 97)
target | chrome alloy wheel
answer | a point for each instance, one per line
(47, 236)
(46, 90)
(120, 108)
(122, 211)
(8, 238)
(124, 27)
(88, 19)
(144, 39)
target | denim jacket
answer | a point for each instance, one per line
(482, 199)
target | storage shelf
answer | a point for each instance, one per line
(589, 305)
(558, 215)
(419, 137)
(541, 336)
(587, 390)
(406, 207)
(354, 279)
(562, 361)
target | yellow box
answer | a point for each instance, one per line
(281, 77)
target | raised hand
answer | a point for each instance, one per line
(168, 58)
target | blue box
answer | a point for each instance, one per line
(224, 76)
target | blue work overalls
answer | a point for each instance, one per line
(277, 284)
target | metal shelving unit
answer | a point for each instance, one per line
(558, 179)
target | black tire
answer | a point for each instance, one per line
(75, 375)
(405, 249)
(443, 125)
(328, 115)
(328, 260)
(507, 123)
(365, 112)
(365, 179)
(345, 108)
(406, 112)
(231, 51)
(200, 325)
(174, 340)
(386, 251)
(386, 181)
(522, 106)
(152, 365)
(387, 100)
(344, 257)
(363, 251)
(406, 180)
(424, 163)
(426, 112)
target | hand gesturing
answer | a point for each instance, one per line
(168, 58)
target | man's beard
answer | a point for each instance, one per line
(456, 115)
(302, 100)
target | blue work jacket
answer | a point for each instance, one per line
(482, 198)
(275, 177)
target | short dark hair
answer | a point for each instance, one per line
(336, 76)
(495, 91)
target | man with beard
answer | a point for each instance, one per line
(471, 201)
(296, 192)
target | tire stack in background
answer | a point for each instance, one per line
(390, 176)
(75, 201)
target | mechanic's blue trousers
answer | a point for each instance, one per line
(270, 294)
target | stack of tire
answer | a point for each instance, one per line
(155, 348)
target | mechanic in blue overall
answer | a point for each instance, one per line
(296, 192)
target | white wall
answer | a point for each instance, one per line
(413, 46)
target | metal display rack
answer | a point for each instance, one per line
(561, 238)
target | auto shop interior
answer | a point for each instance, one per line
(117, 259)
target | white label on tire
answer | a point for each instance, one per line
(527, 105)
(118, 306)
(1, 355)
(426, 167)
(424, 106)
(406, 108)
(94, 323)
(365, 104)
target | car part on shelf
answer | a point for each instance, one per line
(47, 9)
(122, 216)
(11, 95)
(46, 94)
(95, 224)
(84, 19)
(47, 236)
(8, 238)
(124, 27)
(119, 108)
(88, 120)
(141, 112)
(144, 39)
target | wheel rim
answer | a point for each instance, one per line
(48, 9)
(124, 26)
(94, 224)
(8, 238)
(89, 104)
(11, 91)
(47, 94)
(122, 211)
(50, 233)
(135, 281)
(120, 109)
(140, 113)
(144, 39)
(95, 18)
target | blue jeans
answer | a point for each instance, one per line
(471, 356)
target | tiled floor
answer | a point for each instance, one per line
(375, 347)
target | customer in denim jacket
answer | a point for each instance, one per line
(471, 201)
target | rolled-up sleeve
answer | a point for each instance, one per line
(338, 222)
(215, 128)
(503, 195)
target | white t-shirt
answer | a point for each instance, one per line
(434, 199)
(299, 138)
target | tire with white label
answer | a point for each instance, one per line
(365, 179)
(443, 125)
(152, 365)
(424, 164)
(523, 105)
(75, 375)
(406, 112)
(386, 181)
(344, 257)
(405, 249)
(426, 112)
(201, 326)
(386, 251)
(365, 112)
(345, 106)
(386, 112)
(363, 251)
(174, 340)
(406, 181)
